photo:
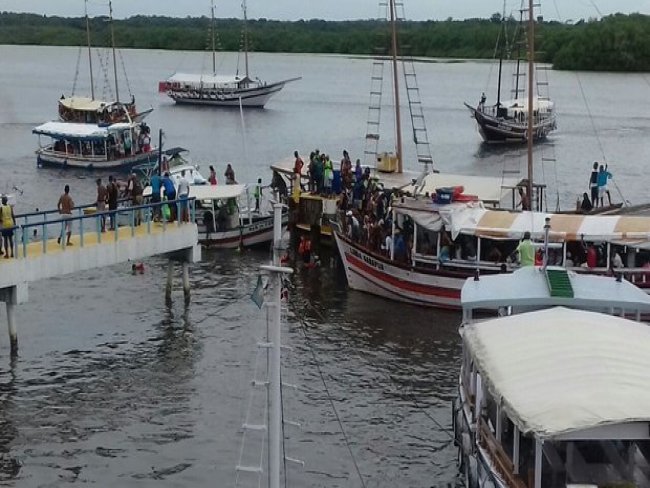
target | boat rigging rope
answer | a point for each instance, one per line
(76, 73)
(591, 118)
(303, 328)
(410, 395)
(126, 78)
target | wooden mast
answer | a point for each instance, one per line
(529, 130)
(214, 61)
(398, 125)
(90, 57)
(110, 11)
(245, 36)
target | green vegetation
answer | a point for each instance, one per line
(614, 43)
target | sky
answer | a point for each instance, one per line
(563, 10)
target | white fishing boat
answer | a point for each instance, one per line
(553, 394)
(93, 146)
(218, 89)
(508, 120)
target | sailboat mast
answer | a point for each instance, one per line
(501, 53)
(214, 61)
(110, 12)
(531, 68)
(90, 57)
(398, 124)
(243, 5)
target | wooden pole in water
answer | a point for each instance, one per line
(11, 324)
(186, 282)
(170, 282)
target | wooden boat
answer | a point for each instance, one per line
(452, 242)
(221, 90)
(508, 120)
(92, 146)
(91, 110)
(553, 393)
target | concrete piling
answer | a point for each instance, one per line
(186, 282)
(11, 324)
(170, 282)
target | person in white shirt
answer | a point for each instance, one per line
(183, 192)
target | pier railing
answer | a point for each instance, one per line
(37, 226)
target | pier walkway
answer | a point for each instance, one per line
(39, 255)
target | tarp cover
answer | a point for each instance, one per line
(559, 371)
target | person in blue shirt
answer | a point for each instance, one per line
(170, 193)
(156, 184)
(603, 176)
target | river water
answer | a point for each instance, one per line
(113, 388)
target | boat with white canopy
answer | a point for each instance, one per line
(226, 216)
(218, 89)
(554, 394)
(93, 146)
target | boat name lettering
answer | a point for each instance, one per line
(367, 259)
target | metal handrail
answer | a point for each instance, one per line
(146, 212)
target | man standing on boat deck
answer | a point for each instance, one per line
(526, 251)
(65, 207)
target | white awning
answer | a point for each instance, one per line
(559, 371)
(83, 103)
(488, 189)
(211, 192)
(72, 130)
(205, 79)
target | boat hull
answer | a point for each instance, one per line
(250, 97)
(46, 158)
(500, 130)
(257, 233)
(371, 273)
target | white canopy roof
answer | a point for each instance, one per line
(488, 189)
(211, 192)
(76, 130)
(83, 103)
(473, 219)
(205, 79)
(528, 287)
(559, 371)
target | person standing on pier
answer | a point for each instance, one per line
(113, 194)
(8, 224)
(102, 198)
(65, 206)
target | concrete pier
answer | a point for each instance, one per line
(44, 258)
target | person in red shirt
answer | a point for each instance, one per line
(592, 256)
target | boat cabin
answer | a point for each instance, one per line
(86, 110)
(554, 393)
(91, 143)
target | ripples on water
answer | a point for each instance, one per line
(112, 387)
